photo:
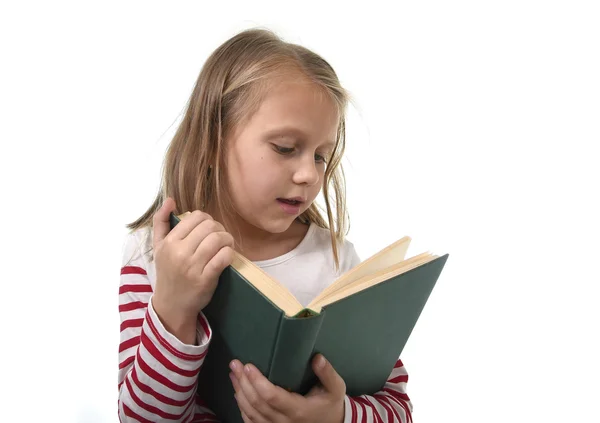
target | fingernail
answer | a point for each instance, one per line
(232, 366)
(247, 369)
(321, 362)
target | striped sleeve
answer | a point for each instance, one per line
(157, 376)
(391, 404)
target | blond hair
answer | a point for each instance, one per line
(228, 91)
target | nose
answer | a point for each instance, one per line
(306, 173)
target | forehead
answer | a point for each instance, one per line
(295, 107)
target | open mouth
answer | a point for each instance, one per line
(291, 206)
(287, 201)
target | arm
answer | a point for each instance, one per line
(158, 373)
(391, 404)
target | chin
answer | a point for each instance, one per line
(273, 223)
(276, 227)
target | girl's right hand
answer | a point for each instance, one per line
(189, 260)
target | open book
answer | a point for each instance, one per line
(378, 268)
(360, 323)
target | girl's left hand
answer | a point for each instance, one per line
(260, 401)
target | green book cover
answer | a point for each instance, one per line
(362, 335)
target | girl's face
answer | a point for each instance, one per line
(280, 155)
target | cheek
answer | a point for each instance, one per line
(253, 175)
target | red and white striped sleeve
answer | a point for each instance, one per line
(158, 374)
(391, 404)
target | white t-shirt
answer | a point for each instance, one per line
(309, 268)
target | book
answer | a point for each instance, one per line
(360, 323)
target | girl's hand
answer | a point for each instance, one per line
(260, 401)
(189, 260)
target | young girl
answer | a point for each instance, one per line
(262, 135)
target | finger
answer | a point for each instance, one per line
(160, 221)
(280, 400)
(245, 418)
(218, 263)
(210, 247)
(247, 410)
(330, 379)
(204, 226)
(236, 367)
(234, 382)
(188, 224)
(254, 400)
(199, 233)
(238, 378)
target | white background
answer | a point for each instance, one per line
(475, 130)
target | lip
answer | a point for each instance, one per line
(292, 209)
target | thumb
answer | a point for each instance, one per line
(160, 220)
(332, 382)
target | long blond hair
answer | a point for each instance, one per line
(229, 89)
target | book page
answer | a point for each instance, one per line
(371, 280)
(389, 256)
(269, 287)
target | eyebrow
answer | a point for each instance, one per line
(295, 132)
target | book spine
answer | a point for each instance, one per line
(293, 351)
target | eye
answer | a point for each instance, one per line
(283, 150)
(320, 159)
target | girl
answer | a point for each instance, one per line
(262, 135)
